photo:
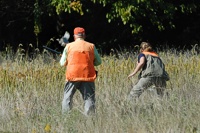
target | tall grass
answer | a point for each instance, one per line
(31, 93)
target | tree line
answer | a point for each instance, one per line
(110, 24)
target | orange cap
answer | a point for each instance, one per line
(79, 31)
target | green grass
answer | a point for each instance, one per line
(31, 93)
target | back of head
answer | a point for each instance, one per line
(79, 32)
(145, 47)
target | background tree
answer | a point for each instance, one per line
(145, 18)
(110, 24)
(15, 20)
(159, 13)
(23, 21)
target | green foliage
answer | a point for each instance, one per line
(67, 6)
(37, 15)
(159, 13)
(37, 23)
(20, 19)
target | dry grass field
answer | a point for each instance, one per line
(31, 93)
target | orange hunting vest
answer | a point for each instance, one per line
(80, 61)
(150, 53)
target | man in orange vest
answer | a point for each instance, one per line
(152, 72)
(80, 57)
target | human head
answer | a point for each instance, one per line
(79, 32)
(145, 47)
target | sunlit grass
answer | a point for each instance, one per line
(31, 93)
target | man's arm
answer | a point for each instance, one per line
(64, 57)
(97, 58)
